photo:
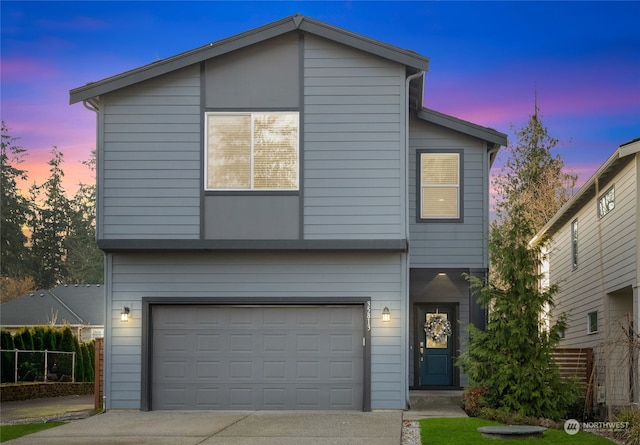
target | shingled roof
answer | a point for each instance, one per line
(74, 304)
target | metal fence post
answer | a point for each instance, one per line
(15, 375)
(46, 362)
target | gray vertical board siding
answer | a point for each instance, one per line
(353, 178)
(150, 156)
(265, 276)
(450, 244)
(581, 289)
(261, 76)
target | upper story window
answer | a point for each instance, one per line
(439, 177)
(606, 202)
(592, 322)
(252, 151)
(574, 244)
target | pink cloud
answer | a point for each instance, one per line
(19, 70)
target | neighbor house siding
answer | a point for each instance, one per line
(450, 244)
(150, 158)
(613, 237)
(258, 275)
(353, 139)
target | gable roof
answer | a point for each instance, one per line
(73, 304)
(274, 29)
(588, 190)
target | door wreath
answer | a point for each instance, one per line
(437, 328)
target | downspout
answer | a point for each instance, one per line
(407, 309)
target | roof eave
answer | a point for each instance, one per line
(243, 40)
(629, 148)
(462, 126)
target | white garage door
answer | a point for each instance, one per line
(257, 357)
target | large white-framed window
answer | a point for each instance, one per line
(440, 184)
(574, 244)
(607, 201)
(252, 151)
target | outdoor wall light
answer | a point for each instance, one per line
(124, 315)
(386, 314)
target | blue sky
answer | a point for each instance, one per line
(487, 61)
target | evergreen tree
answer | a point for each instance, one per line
(84, 261)
(15, 272)
(510, 361)
(50, 226)
(532, 176)
(7, 359)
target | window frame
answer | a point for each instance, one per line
(419, 187)
(574, 244)
(591, 323)
(611, 203)
(250, 190)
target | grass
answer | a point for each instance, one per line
(9, 432)
(463, 431)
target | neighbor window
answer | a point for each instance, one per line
(574, 244)
(439, 179)
(592, 322)
(251, 151)
(606, 202)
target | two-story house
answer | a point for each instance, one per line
(592, 254)
(285, 225)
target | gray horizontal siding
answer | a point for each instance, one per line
(581, 290)
(459, 244)
(352, 143)
(150, 159)
(262, 276)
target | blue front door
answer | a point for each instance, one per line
(436, 325)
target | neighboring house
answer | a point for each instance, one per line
(593, 255)
(262, 201)
(79, 306)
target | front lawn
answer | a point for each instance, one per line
(464, 431)
(10, 432)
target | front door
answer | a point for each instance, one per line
(435, 325)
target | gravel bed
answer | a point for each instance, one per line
(410, 433)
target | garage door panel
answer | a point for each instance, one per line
(222, 357)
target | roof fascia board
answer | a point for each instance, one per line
(366, 44)
(621, 152)
(181, 60)
(243, 40)
(453, 123)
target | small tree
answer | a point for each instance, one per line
(511, 360)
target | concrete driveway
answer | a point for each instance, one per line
(226, 428)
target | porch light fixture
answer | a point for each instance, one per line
(386, 314)
(124, 315)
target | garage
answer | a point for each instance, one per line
(256, 357)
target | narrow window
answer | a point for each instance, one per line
(251, 151)
(439, 179)
(574, 244)
(606, 202)
(592, 322)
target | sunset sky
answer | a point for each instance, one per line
(487, 61)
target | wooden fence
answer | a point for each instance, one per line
(577, 363)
